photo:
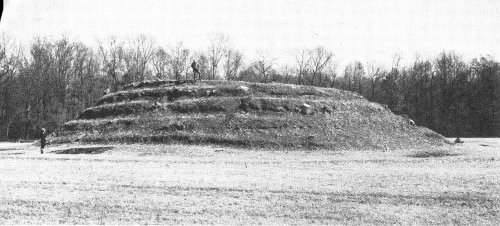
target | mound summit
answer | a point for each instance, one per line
(243, 114)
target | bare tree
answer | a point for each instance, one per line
(359, 74)
(6, 59)
(112, 57)
(86, 67)
(263, 66)
(233, 64)
(286, 72)
(63, 58)
(138, 55)
(348, 77)
(396, 59)
(216, 51)
(179, 60)
(11, 57)
(303, 64)
(373, 73)
(320, 58)
(129, 68)
(331, 73)
(40, 71)
(161, 62)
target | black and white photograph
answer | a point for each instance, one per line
(246, 112)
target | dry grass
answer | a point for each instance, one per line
(161, 184)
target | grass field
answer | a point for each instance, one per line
(177, 184)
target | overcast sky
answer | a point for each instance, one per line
(366, 30)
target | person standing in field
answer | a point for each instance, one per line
(43, 140)
(194, 66)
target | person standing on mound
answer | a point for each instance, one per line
(43, 140)
(194, 66)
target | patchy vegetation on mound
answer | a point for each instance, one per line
(244, 114)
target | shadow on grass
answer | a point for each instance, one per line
(433, 154)
(15, 153)
(7, 149)
(87, 150)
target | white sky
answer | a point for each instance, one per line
(366, 30)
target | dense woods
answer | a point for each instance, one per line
(51, 81)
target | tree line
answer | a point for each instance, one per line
(51, 81)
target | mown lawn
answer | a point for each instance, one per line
(172, 184)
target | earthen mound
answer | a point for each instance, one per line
(244, 114)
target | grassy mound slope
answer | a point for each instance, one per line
(244, 114)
